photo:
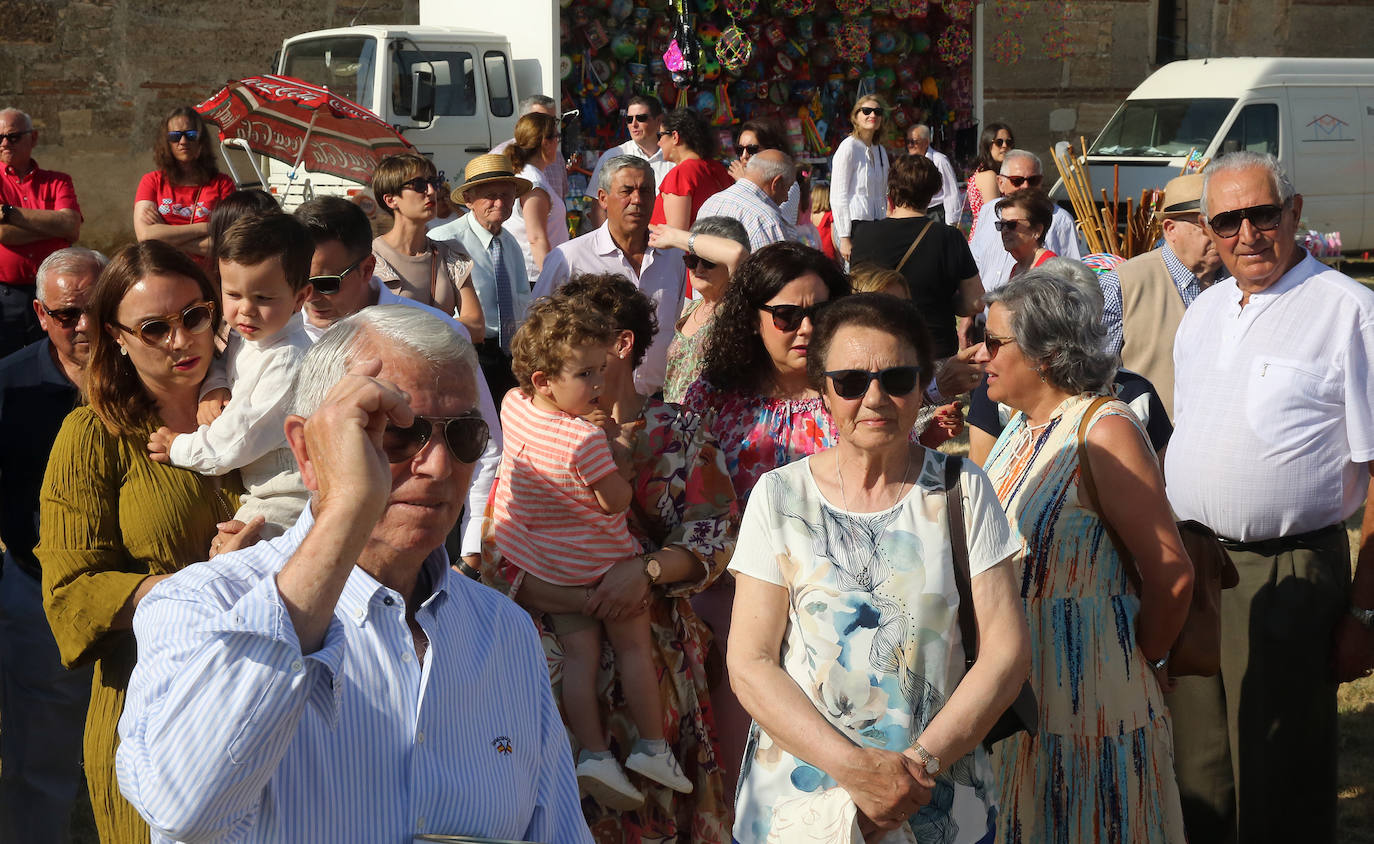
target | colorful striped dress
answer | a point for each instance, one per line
(1102, 766)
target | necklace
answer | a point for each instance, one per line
(844, 501)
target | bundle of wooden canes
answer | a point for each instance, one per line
(1108, 228)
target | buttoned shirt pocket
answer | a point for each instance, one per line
(1288, 400)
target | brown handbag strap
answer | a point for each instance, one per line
(914, 244)
(958, 546)
(1088, 488)
(434, 276)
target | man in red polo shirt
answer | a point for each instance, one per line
(38, 216)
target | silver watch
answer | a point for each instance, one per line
(932, 763)
(1363, 616)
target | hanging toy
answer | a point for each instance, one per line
(851, 42)
(734, 49)
(724, 115)
(741, 9)
(955, 47)
(1007, 49)
(929, 88)
(851, 8)
(684, 51)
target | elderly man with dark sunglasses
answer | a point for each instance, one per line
(306, 689)
(43, 705)
(1273, 449)
(1021, 170)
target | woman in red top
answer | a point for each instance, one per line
(686, 140)
(174, 202)
(1024, 219)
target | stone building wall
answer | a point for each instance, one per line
(97, 76)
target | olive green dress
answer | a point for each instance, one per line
(108, 518)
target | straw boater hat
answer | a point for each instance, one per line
(1182, 197)
(485, 169)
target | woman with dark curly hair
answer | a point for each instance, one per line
(173, 202)
(684, 517)
(993, 145)
(686, 140)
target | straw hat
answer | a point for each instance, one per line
(485, 169)
(1182, 196)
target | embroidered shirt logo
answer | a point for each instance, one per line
(502, 744)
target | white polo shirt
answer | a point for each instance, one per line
(661, 277)
(1273, 404)
(657, 163)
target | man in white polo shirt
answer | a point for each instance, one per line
(621, 245)
(1272, 449)
(643, 119)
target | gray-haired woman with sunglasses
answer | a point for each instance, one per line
(846, 557)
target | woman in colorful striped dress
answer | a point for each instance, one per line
(1101, 767)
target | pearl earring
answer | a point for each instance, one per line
(123, 350)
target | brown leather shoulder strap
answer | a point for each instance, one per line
(912, 248)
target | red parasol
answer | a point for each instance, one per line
(300, 123)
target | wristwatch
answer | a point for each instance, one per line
(1158, 664)
(5, 211)
(652, 569)
(932, 763)
(1363, 616)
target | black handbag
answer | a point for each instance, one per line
(1023, 714)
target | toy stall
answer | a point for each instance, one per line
(801, 63)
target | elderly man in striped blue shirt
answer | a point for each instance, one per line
(340, 683)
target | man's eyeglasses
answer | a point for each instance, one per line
(637, 118)
(789, 317)
(466, 437)
(691, 262)
(330, 284)
(751, 149)
(894, 380)
(1009, 225)
(1018, 181)
(422, 184)
(1263, 217)
(992, 342)
(15, 137)
(913, 142)
(1002, 142)
(871, 110)
(188, 134)
(157, 331)
(65, 317)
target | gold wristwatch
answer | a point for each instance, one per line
(652, 569)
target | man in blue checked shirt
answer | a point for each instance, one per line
(340, 683)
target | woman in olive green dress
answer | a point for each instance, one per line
(113, 522)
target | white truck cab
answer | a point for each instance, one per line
(1315, 115)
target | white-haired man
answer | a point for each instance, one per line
(1273, 449)
(1021, 170)
(621, 245)
(756, 200)
(38, 215)
(42, 704)
(342, 683)
(945, 204)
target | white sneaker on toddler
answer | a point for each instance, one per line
(661, 767)
(605, 782)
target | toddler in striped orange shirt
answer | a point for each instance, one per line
(559, 516)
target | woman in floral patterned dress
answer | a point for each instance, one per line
(846, 645)
(685, 518)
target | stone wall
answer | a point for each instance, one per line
(1110, 48)
(98, 76)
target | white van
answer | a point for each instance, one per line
(1315, 115)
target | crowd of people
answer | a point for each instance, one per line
(473, 527)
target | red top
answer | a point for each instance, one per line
(174, 201)
(827, 229)
(46, 190)
(696, 178)
(1048, 254)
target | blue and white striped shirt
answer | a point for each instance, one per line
(229, 733)
(1113, 311)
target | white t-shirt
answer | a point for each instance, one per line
(555, 227)
(1273, 405)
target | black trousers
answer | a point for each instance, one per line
(496, 369)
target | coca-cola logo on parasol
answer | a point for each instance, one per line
(306, 96)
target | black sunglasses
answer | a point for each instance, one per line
(751, 149)
(1263, 217)
(188, 134)
(992, 342)
(789, 317)
(894, 380)
(1009, 225)
(662, 132)
(65, 317)
(330, 284)
(421, 184)
(156, 331)
(691, 262)
(1018, 181)
(637, 118)
(466, 437)
(15, 137)
(871, 110)
(1002, 142)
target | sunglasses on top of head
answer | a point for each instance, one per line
(1018, 181)
(65, 317)
(422, 184)
(466, 437)
(1263, 217)
(189, 134)
(691, 262)
(789, 317)
(156, 331)
(894, 380)
(330, 284)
